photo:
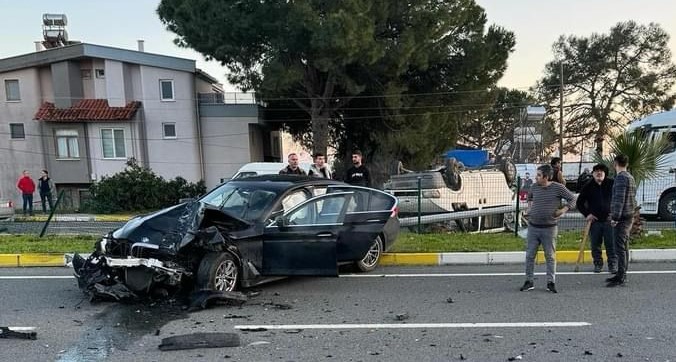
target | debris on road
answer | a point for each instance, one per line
(401, 317)
(18, 332)
(203, 298)
(199, 340)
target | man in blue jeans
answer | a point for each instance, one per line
(544, 211)
(594, 203)
(622, 207)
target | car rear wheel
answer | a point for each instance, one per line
(372, 256)
(218, 272)
(667, 208)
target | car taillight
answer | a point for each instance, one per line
(395, 211)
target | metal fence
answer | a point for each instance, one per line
(483, 201)
(61, 220)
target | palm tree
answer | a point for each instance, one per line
(646, 160)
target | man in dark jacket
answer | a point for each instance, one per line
(622, 207)
(358, 174)
(292, 168)
(46, 189)
(594, 203)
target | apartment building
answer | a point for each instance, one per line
(82, 111)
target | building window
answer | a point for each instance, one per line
(66, 144)
(12, 92)
(86, 73)
(113, 143)
(100, 73)
(16, 131)
(166, 89)
(169, 130)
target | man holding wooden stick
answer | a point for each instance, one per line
(594, 203)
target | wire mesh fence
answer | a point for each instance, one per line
(484, 200)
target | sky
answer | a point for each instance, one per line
(537, 24)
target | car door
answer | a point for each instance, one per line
(303, 240)
(365, 217)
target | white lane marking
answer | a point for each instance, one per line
(415, 325)
(431, 275)
(411, 275)
(10, 277)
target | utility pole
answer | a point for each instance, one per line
(561, 115)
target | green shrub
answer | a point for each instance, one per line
(138, 188)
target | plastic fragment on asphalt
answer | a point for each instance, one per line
(18, 332)
(199, 340)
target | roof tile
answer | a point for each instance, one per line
(87, 110)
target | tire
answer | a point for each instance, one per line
(452, 174)
(667, 209)
(509, 169)
(372, 257)
(218, 272)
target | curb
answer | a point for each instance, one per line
(514, 257)
(393, 259)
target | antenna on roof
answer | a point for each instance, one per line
(54, 30)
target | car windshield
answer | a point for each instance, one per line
(244, 202)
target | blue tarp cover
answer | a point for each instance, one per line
(470, 158)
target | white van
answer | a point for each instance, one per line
(657, 195)
(263, 168)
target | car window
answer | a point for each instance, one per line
(243, 202)
(244, 175)
(293, 199)
(323, 211)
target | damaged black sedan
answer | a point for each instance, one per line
(242, 233)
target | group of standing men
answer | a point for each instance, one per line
(357, 175)
(608, 205)
(27, 187)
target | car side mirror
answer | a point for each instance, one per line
(282, 222)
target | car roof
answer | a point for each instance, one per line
(282, 182)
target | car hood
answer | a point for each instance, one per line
(176, 226)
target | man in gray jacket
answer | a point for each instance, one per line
(622, 205)
(544, 211)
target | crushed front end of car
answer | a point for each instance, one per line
(154, 256)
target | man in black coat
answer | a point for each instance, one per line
(594, 203)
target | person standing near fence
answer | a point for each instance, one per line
(544, 211)
(594, 203)
(46, 190)
(27, 188)
(557, 172)
(622, 207)
(358, 174)
(292, 168)
(319, 168)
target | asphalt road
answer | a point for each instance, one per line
(393, 314)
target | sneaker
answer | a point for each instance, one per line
(598, 268)
(616, 283)
(551, 287)
(527, 286)
(613, 279)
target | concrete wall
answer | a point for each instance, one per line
(66, 83)
(19, 154)
(170, 157)
(115, 86)
(226, 146)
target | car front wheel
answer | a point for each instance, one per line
(218, 272)
(372, 256)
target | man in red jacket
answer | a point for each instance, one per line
(27, 187)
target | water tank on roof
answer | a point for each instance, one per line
(54, 20)
(535, 113)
